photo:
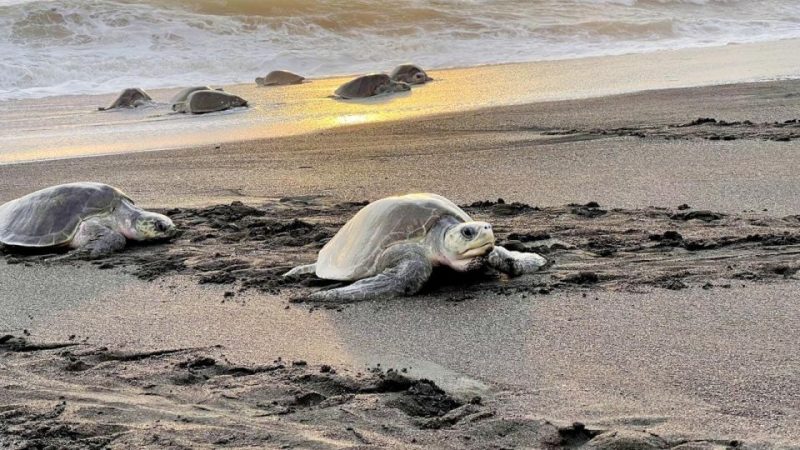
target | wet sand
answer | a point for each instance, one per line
(504, 152)
(69, 126)
(677, 320)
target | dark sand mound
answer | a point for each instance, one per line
(72, 396)
(701, 128)
(592, 248)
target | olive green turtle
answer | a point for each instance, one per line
(180, 98)
(130, 98)
(390, 247)
(207, 101)
(279, 78)
(94, 218)
(369, 86)
(410, 73)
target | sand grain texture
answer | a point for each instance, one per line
(670, 308)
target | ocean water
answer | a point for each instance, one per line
(55, 47)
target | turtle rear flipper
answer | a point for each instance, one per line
(405, 269)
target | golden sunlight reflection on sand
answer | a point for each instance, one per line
(59, 127)
(354, 119)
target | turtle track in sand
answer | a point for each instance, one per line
(242, 247)
(78, 396)
(707, 128)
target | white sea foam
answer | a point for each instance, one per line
(52, 47)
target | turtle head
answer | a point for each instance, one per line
(420, 77)
(466, 243)
(150, 226)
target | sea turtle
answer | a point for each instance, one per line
(279, 78)
(409, 73)
(389, 248)
(206, 101)
(370, 85)
(94, 218)
(130, 98)
(180, 98)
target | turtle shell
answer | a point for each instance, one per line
(279, 78)
(50, 217)
(363, 86)
(129, 98)
(181, 96)
(353, 252)
(201, 102)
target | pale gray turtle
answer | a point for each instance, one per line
(180, 98)
(390, 247)
(94, 218)
(410, 73)
(205, 101)
(130, 98)
(370, 85)
(279, 78)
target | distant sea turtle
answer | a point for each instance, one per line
(206, 101)
(409, 73)
(370, 85)
(279, 78)
(180, 98)
(130, 98)
(95, 218)
(391, 246)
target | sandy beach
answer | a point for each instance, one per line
(667, 320)
(69, 126)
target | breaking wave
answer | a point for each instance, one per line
(53, 47)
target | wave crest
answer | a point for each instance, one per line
(50, 47)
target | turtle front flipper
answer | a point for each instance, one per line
(404, 269)
(94, 239)
(515, 263)
(301, 270)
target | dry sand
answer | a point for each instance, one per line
(691, 335)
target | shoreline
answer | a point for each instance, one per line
(74, 129)
(637, 348)
(343, 161)
(458, 67)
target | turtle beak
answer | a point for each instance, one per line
(173, 232)
(483, 250)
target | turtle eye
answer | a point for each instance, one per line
(468, 232)
(161, 226)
